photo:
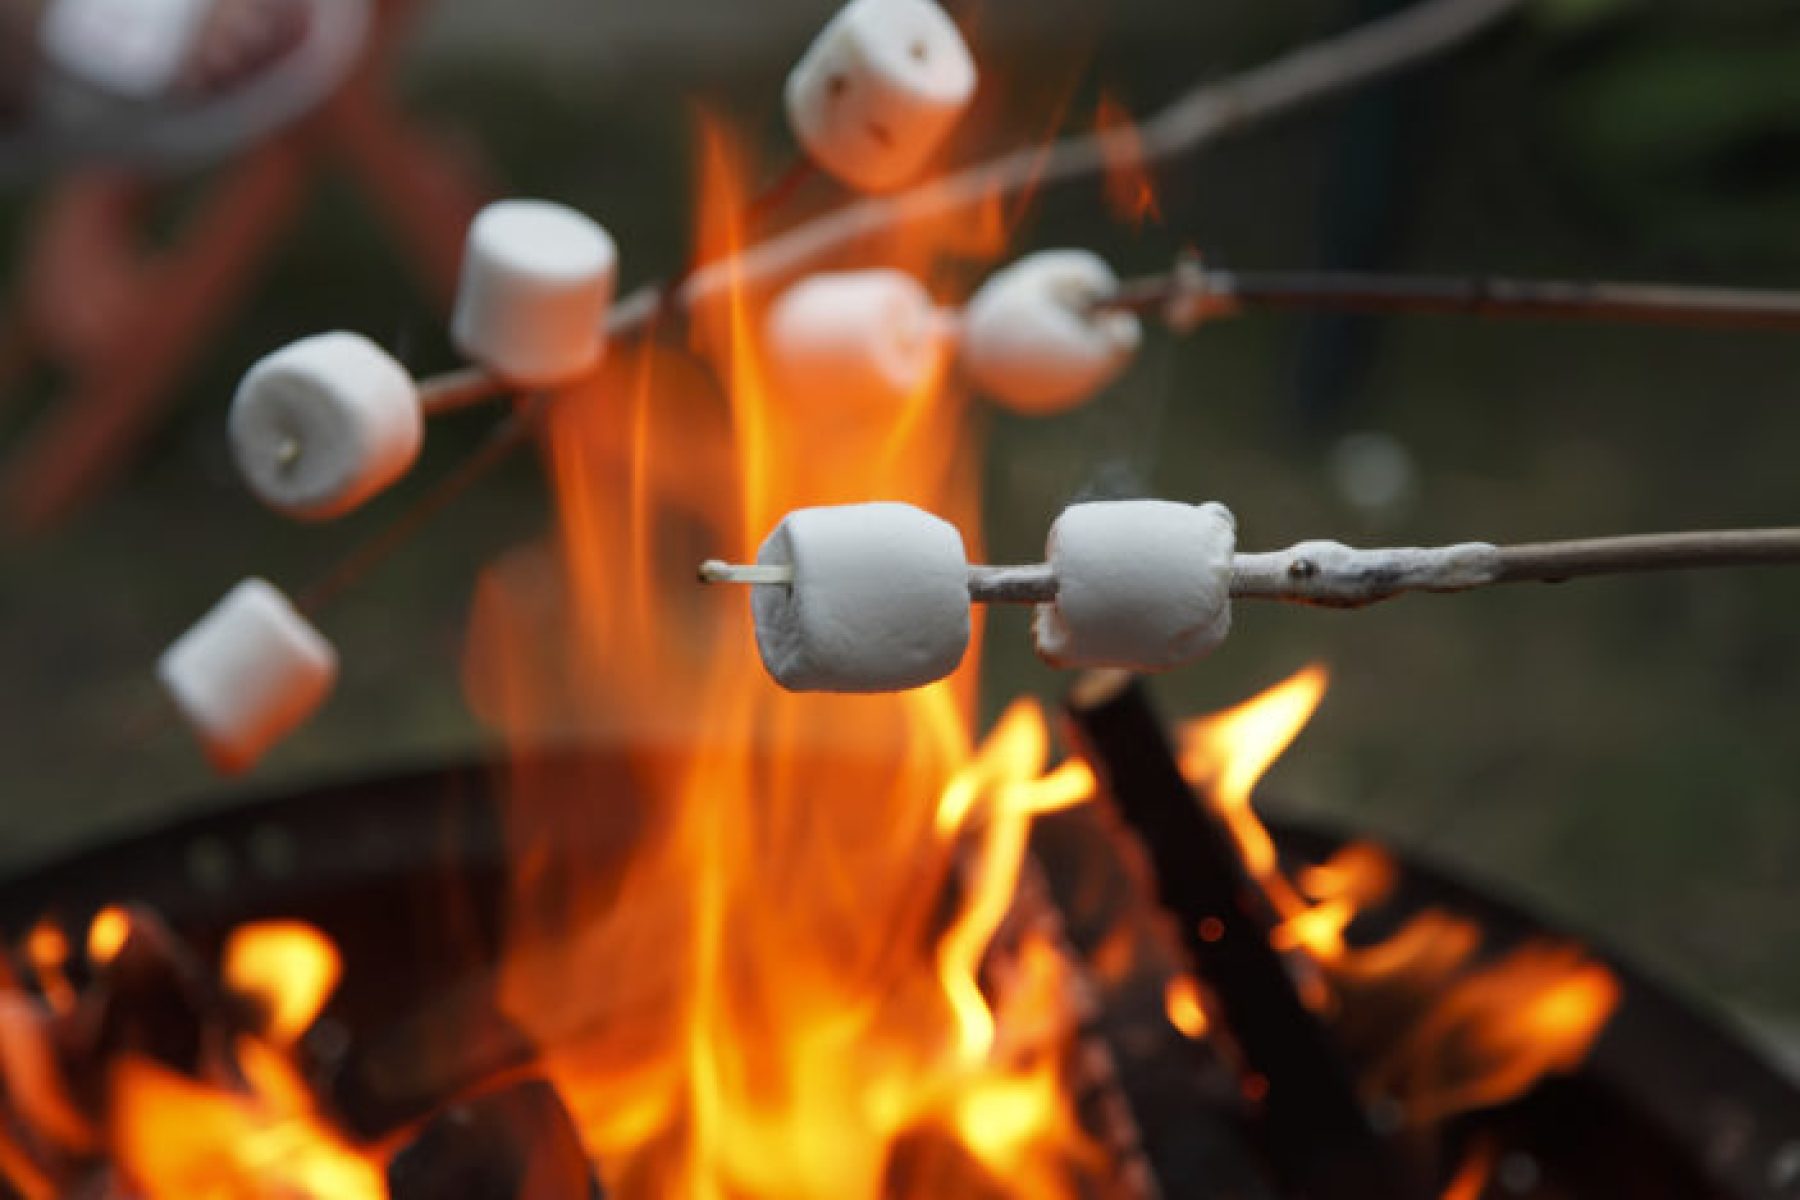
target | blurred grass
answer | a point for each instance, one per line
(1625, 753)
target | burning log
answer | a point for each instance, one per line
(518, 1143)
(1316, 1134)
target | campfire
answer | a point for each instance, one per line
(987, 1036)
(697, 934)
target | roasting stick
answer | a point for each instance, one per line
(1192, 293)
(1332, 575)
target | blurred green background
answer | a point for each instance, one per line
(1625, 754)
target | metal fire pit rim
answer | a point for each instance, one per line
(1717, 1093)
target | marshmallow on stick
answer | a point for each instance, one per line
(1141, 584)
(877, 599)
(854, 343)
(880, 87)
(248, 674)
(537, 282)
(1035, 339)
(320, 426)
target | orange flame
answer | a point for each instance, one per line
(1181, 1000)
(1229, 753)
(106, 934)
(784, 910)
(290, 967)
(1480, 1034)
(1130, 191)
(1472, 1177)
(776, 1000)
(1498, 1030)
(179, 1139)
(176, 1137)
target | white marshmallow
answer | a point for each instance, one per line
(537, 281)
(879, 601)
(1032, 340)
(856, 343)
(1141, 584)
(247, 674)
(132, 48)
(320, 426)
(878, 90)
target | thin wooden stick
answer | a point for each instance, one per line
(1552, 562)
(1333, 575)
(1190, 294)
(461, 388)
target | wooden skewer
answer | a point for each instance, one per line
(1191, 294)
(1332, 575)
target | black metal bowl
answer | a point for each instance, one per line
(407, 874)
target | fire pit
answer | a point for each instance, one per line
(407, 876)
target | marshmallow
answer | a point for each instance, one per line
(537, 281)
(1141, 584)
(131, 48)
(859, 343)
(879, 601)
(247, 674)
(878, 90)
(1032, 340)
(322, 425)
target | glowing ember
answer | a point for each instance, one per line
(1181, 1000)
(107, 934)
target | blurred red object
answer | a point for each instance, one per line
(124, 321)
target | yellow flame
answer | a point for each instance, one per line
(1181, 1000)
(178, 1139)
(106, 934)
(1230, 752)
(288, 966)
(47, 949)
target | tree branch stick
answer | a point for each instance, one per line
(1333, 575)
(1191, 294)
